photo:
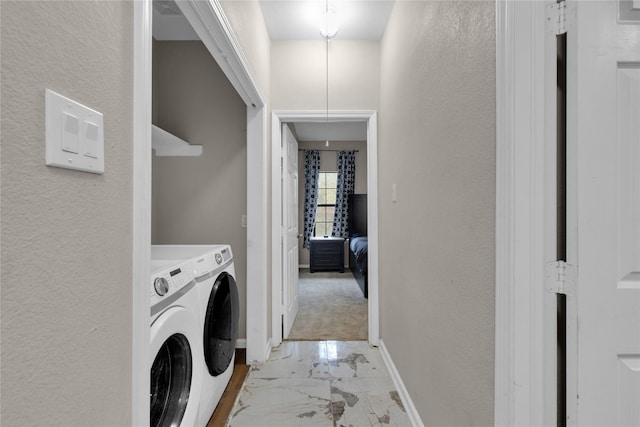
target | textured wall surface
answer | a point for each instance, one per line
(200, 200)
(437, 144)
(66, 243)
(299, 75)
(248, 26)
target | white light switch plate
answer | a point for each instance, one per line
(75, 135)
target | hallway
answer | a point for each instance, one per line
(320, 383)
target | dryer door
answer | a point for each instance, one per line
(176, 373)
(221, 324)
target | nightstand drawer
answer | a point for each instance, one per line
(327, 254)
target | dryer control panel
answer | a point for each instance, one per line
(167, 282)
(210, 262)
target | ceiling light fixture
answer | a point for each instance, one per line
(328, 29)
(329, 24)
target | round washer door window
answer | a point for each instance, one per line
(221, 324)
(171, 374)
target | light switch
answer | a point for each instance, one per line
(74, 135)
(70, 133)
(90, 139)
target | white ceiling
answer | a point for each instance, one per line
(289, 19)
(342, 131)
(301, 19)
(296, 20)
(169, 23)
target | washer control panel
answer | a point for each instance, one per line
(169, 281)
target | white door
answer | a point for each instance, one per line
(289, 230)
(603, 359)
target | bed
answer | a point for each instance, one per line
(358, 240)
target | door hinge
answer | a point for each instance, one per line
(560, 278)
(557, 18)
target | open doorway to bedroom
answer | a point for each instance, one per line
(332, 294)
(332, 304)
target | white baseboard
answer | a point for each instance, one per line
(416, 421)
(267, 350)
(241, 343)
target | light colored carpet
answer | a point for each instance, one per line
(332, 307)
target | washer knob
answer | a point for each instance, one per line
(161, 286)
(219, 259)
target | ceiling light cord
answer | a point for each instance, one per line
(327, 88)
(327, 35)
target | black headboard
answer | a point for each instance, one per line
(358, 214)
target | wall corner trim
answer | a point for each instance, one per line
(524, 369)
(141, 240)
(416, 421)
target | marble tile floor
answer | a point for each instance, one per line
(320, 383)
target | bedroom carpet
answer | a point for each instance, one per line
(332, 307)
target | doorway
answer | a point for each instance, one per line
(369, 118)
(331, 303)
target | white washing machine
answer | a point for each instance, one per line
(214, 273)
(176, 345)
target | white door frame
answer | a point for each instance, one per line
(370, 118)
(208, 20)
(525, 336)
(141, 339)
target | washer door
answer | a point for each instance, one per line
(176, 373)
(221, 324)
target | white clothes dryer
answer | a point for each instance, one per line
(220, 312)
(176, 345)
(214, 272)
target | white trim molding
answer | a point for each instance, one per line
(370, 117)
(140, 368)
(407, 402)
(525, 343)
(210, 24)
(140, 365)
(257, 246)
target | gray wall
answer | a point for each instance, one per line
(437, 144)
(298, 82)
(200, 200)
(298, 75)
(66, 243)
(328, 162)
(250, 30)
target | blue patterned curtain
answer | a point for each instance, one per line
(346, 180)
(311, 174)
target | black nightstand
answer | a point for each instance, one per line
(327, 254)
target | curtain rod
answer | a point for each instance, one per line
(310, 149)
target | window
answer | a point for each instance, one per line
(327, 183)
